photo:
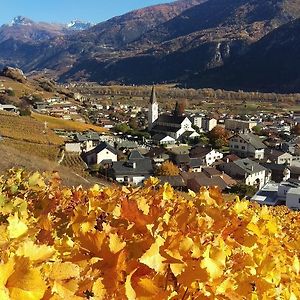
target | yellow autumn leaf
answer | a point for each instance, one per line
(35, 252)
(115, 243)
(99, 289)
(64, 270)
(66, 290)
(227, 284)
(16, 227)
(214, 261)
(167, 192)
(26, 283)
(6, 270)
(240, 206)
(272, 226)
(148, 286)
(36, 180)
(129, 291)
(152, 257)
(143, 205)
(296, 265)
(254, 228)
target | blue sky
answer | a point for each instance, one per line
(62, 11)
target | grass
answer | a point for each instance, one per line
(44, 151)
(18, 158)
(22, 89)
(56, 123)
(27, 129)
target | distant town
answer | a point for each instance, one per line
(256, 156)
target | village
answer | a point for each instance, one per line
(255, 156)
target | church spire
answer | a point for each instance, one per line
(153, 98)
(153, 109)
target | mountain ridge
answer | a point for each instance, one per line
(145, 45)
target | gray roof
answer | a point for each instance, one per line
(182, 158)
(160, 128)
(102, 146)
(199, 151)
(126, 168)
(135, 154)
(252, 139)
(171, 119)
(175, 181)
(195, 162)
(249, 166)
(274, 154)
(159, 136)
(82, 137)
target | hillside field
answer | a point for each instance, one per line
(56, 123)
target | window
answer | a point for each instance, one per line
(236, 146)
(243, 147)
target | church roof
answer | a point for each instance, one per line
(171, 119)
(153, 98)
(159, 128)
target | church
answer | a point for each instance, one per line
(168, 128)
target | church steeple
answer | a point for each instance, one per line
(153, 109)
(153, 98)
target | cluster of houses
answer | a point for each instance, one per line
(57, 107)
(255, 160)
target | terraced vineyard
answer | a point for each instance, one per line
(75, 163)
(56, 123)
(27, 129)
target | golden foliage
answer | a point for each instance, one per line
(167, 168)
(142, 243)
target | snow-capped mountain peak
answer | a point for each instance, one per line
(20, 20)
(79, 25)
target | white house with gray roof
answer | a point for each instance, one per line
(247, 171)
(133, 171)
(102, 152)
(247, 145)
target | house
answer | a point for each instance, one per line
(195, 164)
(284, 193)
(172, 125)
(163, 139)
(247, 145)
(158, 155)
(208, 124)
(189, 136)
(247, 171)
(277, 157)
(88, 140)
(182, 161)
(207, 155)
(102, 152)
(177, 182)
(133, 171)
(279, 172)
(41, 105)
(293, 146)
(73, 147)
(239, 125)
(8, 108)
(209, 177)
